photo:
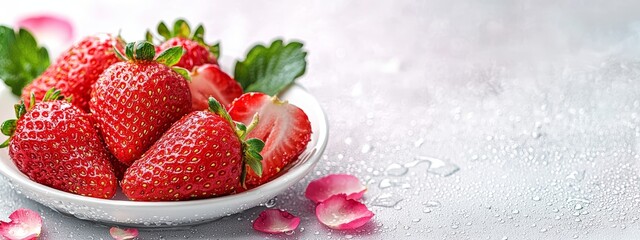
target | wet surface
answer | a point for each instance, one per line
(465, 120)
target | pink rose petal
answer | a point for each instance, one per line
(323, 188)
(24, 224)
(275, 221)
(338, 212)
(123, 234)
(48, 26)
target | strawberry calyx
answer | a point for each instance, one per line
(181, 29)
(8, 127)
(251, 148)
(144, 51)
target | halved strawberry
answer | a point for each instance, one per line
(284, 128)
(209, 81)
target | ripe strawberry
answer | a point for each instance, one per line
(54, 143)
(284, 128)
(135, 101)
(76, 70)
(197, 51)
(202, 155)
(209, 81)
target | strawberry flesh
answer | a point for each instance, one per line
(200, 156)
(209, 81)
(55, 144)
(284, 128)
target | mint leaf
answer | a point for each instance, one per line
(21, 59)
(271, 69)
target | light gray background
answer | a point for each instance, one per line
(536, 102)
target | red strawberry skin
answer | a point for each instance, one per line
(200, 156)
(76, 70)
(196, 54)
(55, 144)
(284, 128)
(134, 103)
(209, 81)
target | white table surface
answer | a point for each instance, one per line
(537, 103)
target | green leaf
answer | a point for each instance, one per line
(119, 54)
(52, 94)
(254, 155)
(145, 51)
(5, 143)
(241, 129)
(181, 29)
(271, 69)
(215, 107)
(163, 30)
(128, 49)
(20, 109)
(21, 58)
(256, 166)
(8, 127)
(183, 72)
(255, 144)
(170, 56)
(198, 34)
(215, 50)
(148, 36)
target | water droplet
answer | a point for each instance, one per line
(543, 230)
(271, 203)
(578, 206)
(416, 162)
(386, 200)
(427, 210)
(454, 226)
(348, 236)
(289, 232)
(578, 200)
(576, 175)
(515, 211)
(385, 183)
(432, 203)
(417, 219)
(366, 148)
(439, 166)
(418, 142)
(535, 198)
(396, 170)
(578, 220)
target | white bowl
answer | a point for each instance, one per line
(169, 214)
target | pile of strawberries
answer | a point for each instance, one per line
(162, 121)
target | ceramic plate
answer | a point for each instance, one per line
(169, 214)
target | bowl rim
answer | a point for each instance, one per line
(316, 153)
